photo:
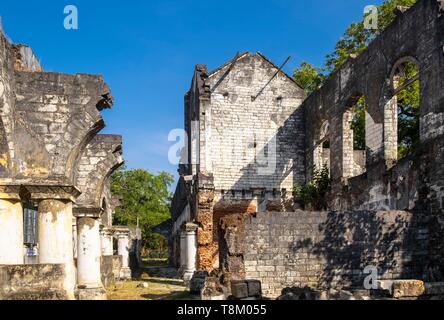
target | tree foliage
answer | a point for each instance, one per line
(145, 199)
(354, 41)
(358, 124)
(408, 111)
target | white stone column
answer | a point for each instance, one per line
(74, 236)
(11, 232)
(123, 251)
(183, 251)
(88, 259)
(106, 238)
(55, 239)
(191, 250)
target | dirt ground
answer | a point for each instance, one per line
(156, 282)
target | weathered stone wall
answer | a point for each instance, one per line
(117, 266)
(394, 207)
(107, 271)
(246, 135)
(48, 148)
(239, 129)
(415, 34)
(324, 249)
(25, 59)
(32, 282)
(414, 183)
(7, 106)
(102, 156)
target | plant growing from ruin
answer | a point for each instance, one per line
(312, 195)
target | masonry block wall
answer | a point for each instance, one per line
(49, 154)
(416, 35)
(370, 189)
(239, 130)
(246, 131)
(32, 282)
(324, 249)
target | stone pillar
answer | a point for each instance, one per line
(11, 232)
(106, 239)
(391, 132)
(88, 259)
(347, 145)
(74, 236)
(183, 251)
(123, 251)
(55, 239)
(191, 251)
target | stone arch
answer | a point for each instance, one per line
(76, 153)
(109, 170)
(403, 79)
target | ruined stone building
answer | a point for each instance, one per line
(233, 208)
(55, 203)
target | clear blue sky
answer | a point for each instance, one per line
(146, 51)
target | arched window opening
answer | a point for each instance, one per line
(322, 148)
(354, 138)
(406, 99)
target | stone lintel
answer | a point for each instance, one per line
(87, 212)
(39, 192)
(10, 192)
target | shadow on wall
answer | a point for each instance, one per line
(345, 244)
(262, 179)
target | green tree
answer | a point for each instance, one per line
(145, 200)
(309, 77)
(408, 111)
(358, 124)
(355, 40)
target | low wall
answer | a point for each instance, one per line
(32, 282)
(322, 249)
(117, 266)
(106, 270)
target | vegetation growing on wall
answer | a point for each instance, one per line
(312, 195)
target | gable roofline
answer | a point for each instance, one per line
(259, 54)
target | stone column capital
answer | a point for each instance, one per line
(106, 231)
(121, 231)
(190, 227)
(87, 212)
